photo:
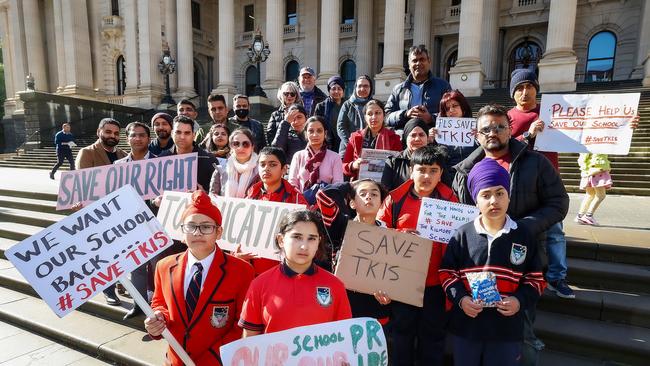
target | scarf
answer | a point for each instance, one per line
(314, 159)
(240, 176)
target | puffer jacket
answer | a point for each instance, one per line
(400, 99)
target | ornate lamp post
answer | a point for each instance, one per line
(167, 66)
(258, 52)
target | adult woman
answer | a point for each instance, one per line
(375, 136)
(289, 136)
(315, 164)
(216, 141)
(329, 109)
(240, 171)
(288, 94)
(351, 116)
(397, 169)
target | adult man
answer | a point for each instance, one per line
(218, 109)
(186, 108)
(184, 135)
(524, 125)
(64, 140)
(162, 126)
(310, 93)
(138, 135)
(241, 119)
(419, 95)
(103, 152)
(537, 196)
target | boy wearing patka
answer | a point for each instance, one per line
(490, 272)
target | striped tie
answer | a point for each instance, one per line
(193, 291)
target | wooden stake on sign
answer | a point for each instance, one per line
(148, 311)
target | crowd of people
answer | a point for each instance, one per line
(310, 152)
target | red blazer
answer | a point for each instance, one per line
(386, 140)
(217, 312)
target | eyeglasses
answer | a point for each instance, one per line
(244, 144)
(498, 129)
(289, 94)
(204, 229)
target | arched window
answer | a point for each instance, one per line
(120, 76)
(291, 71)
(600, 58)
(349, 75)
(200, 84)
(525, 56)
(451, 62)
(251, 79)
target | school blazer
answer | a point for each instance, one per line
(215, 318)
(95, 155)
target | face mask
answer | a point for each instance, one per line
(241, 113)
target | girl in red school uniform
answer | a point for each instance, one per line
(296, 292)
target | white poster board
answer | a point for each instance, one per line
(587, 123)
(373, 163)
(453, 131)
(358, 341)
(438, 219)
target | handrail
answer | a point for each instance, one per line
(37, 132)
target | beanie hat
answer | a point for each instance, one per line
(201, 204)
(335, 80)
(520, 76)
(410, 125)
(487, 173)
(164, 116)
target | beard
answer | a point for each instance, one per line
(109, 141)
(163, 134)
(495, 146)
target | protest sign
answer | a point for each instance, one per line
(358, 341)
(373, 258)
(251, 223)
(454, 131)
(149, 178)
(71, 261)
(438, 219)
(587, 123)
(373, 163)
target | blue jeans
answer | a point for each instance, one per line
(555, 245)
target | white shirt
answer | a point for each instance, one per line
(190, 268)
(478, 226)
(129, 158)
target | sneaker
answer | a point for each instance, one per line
(112, 299)
(51, 175)
(588, 220)
(561, 289)
(577, 218)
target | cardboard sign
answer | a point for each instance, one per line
(149, 178)
(374, 161)
(373, 258)
(438, 219)
(587, 123)
(453, 131)
(75, 259)
(251, 223)
(358, 341)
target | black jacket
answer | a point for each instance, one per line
(400, 99)
(397, 170)
(205, 167)
(319, 96)
(330, 112)
(287, 139)
(538, 198)
(274, 123)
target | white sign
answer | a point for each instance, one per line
(358, 341)
(373, 163)
(438, 219)
(587, 123)
(251, 223)
(453, 131)
(73, 260)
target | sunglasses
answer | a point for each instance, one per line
(244, 144)
(498, 129)
(289, 94)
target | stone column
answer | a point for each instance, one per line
(226, 54)
(185, 46)
(393, 72)
(329, 41)
(274, 35)
(170, 37)
(468, 75)
(422, 26)
(34, 45)
(76, 40)
(19, 70)
(60, 46)
(7, 58)
(150, 53)
(643, 58)
(490, 41)
(557, 68)
(130, 17)
(365, 44)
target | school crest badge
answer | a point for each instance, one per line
(324, 296)
(219, 317)
(518, 254)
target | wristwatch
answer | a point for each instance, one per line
(527, 136)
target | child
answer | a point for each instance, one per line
(297, 292)
(199, 293)
(492, 246)
(400, 211)
(364, 197)
(272, 164)
(595, 180)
